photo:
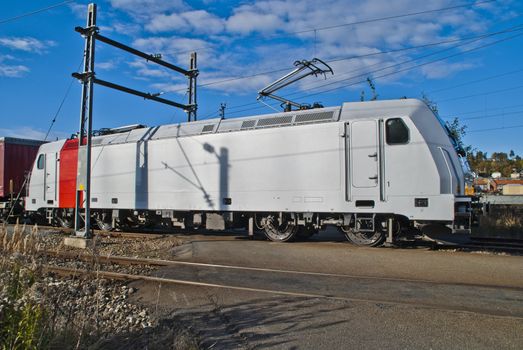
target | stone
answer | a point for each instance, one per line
(78, 242)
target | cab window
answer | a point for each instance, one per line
(396, 132)
(40, 162)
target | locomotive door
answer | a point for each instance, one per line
(364, 158)
(50, 177)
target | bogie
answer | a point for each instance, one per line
(280, 228)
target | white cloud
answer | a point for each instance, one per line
(198, 21)
(148, 70)
(232, 85)
(271, 27)
(169, 45)
(107, 65)
(27, 44)
(79, 10)
(120, 28)
(176, 49)
(28, 132)
(178, 88)
(245, 22)
(442, 69)
(25, 132)
(11, 70)
(142, 8)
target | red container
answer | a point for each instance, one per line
(16, 159)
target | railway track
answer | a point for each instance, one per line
(129, 261)
(116, 234)
(498, 246)
(473, 244)
(288, 290)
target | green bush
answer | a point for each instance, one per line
(22, 318)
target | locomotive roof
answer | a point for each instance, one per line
(349, 111)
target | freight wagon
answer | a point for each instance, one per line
(16, 161)
(363, 167)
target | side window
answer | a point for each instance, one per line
(41, 161)
(396, 132)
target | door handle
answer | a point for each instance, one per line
(375, 154)
(375, 177)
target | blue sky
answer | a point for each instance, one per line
(474, 73)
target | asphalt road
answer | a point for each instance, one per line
(357, 298)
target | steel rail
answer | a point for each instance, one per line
(123, 260)
(480, 247)
(116, 234)
(493, 244)
(66, 271)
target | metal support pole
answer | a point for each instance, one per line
(148, 96)
(193, 68)
(83, 180)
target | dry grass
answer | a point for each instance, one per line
(35, 313)
(22, 316)
(510, 221)
(20, 241)
(502, 222)
(41, 312)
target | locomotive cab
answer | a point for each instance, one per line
(43, 188)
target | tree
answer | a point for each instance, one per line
(372, 87)
(499, 161)
(479, 161)
(456, 130)
(430, 103)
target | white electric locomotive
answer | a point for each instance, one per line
(363, 167)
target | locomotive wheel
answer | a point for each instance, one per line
(65, 222)
(279, 233)
(102, 225)
(369, 239)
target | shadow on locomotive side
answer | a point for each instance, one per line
(373, 169)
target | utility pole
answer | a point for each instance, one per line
(193, 70)
(88, 79)
(222, 110)
(83, 179)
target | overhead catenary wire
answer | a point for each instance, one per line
(413, 67)
(395, 72)
(487, 116)
(485, 110)
(352, 57)
(470, 39)
(387, 18)
(11, 19)
(468, 42)
(67, 91)
(410, 68)
(482, 93)
(472, 4)
(316, 86)
(494, 129)
(475, 81)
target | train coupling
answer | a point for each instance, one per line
(463, 215)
